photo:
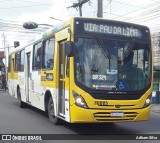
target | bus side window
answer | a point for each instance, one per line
(37, 56)
(17, 60)
(21, 66)
(48, 54)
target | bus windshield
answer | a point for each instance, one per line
(104, 64)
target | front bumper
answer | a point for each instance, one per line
(81, 115)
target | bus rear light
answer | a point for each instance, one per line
(79, 100)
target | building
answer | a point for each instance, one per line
(2, 66)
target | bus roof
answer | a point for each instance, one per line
(62, 24)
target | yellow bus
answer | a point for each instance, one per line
(86, 70)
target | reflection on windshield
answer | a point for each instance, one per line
(111, 65)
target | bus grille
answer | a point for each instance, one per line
(106, 116)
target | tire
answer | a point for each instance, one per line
(51, 113)
(21, 104)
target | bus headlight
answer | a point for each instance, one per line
(147, 102)
(79, 100)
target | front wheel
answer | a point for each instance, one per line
(51, 112)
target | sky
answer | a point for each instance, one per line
(13, 13)
(30, 9)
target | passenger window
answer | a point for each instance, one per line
(17, 60)
(22, 54)
(37, 56)
(48, 54)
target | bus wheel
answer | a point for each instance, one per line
(51, 113)
(20, 102)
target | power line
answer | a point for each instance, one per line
(27, 6)
(34, 2)
(10, 21)
(79, 5)
(63, 9)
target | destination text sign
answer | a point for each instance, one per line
(116, 30)
(113, 28)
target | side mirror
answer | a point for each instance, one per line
(69, 48)
(16, 44)
(30, 25)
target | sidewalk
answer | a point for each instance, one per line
(155, 108)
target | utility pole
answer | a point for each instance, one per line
(79, 5)
(100, 8)
(4, 40)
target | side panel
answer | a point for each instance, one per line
(12, 77)
(33, 88)
(47, 72)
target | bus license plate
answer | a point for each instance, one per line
(117, 114)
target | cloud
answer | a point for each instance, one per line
(42, 17)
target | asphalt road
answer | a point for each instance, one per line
(14, 120)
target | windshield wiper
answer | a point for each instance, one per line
(129, 49)
(106, 54)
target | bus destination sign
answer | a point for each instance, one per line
(111, 28)
(116, 30)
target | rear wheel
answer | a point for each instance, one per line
(51, 113)
(20, 102)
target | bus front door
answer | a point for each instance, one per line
(63, 83)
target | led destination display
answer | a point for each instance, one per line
(108, 27)
(116, 30)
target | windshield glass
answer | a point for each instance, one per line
(112, 65)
